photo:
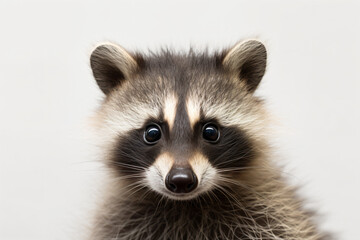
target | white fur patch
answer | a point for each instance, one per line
(205, 172)
(193, 110)
(155, 175)
(170, 106)
(115, 123)
(164, 163)
(253, 119)
(154, 179)
(130, 119)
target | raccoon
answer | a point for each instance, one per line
(187, 147)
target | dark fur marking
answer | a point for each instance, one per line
(131, 150)
(233, 150)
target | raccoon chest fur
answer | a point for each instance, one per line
(224, 214)
(186, 144)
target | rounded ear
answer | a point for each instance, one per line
(248, 60)
(111, 65)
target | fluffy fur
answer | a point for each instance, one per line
(241, 192)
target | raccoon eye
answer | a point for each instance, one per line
(152, 134)
(211, 133)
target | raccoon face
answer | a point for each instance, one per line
(180, 124)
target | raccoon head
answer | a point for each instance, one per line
(180, 124)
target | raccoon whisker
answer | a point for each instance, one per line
(239, 205)
(134, 190)
(255, 199)
(232, 160)
(131, 176)
(233, 169)
(228, 194)
(130, 186)
(126, 156)
(229, 149)
(225, 194)
(211, 196)
(236, 204)
(159, 202)
(129, 189)
(129, 166)
(144, 194)
(133, 185)
(133, 157)
(246, 197)
(257, 168)
(231, 181)
(135, 175)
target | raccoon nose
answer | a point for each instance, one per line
(181, 180)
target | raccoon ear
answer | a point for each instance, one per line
(111, 64)
(248, 60)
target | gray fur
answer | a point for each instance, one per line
(248, 201)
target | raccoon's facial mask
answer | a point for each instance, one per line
(182, 162)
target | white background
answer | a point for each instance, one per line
(47, 94)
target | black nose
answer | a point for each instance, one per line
(181, 180)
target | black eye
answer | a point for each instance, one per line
(211, 133)
(152, 134)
